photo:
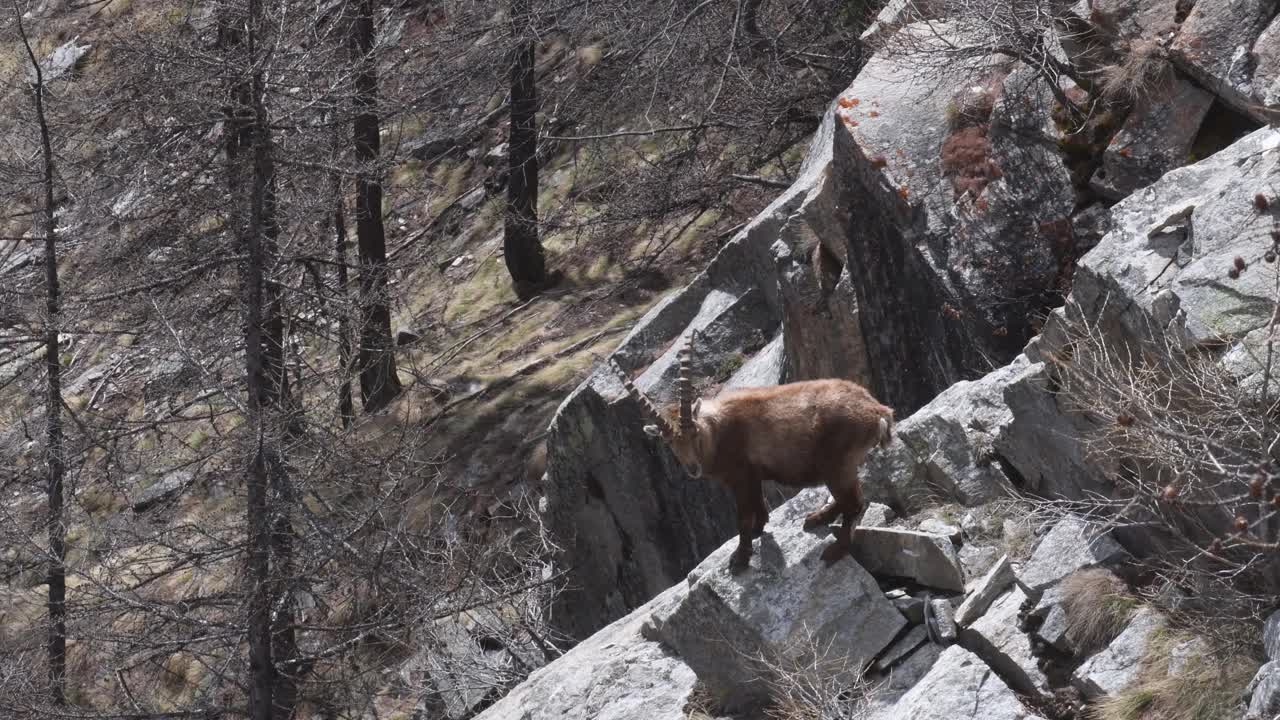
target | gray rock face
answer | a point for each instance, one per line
(1164, 264)
(615, 674)
(934, 526)
(1133, 19)
(947, 281)
(1054, 629)
(902, 677)
(777, 609)
(628, 519)
(977, 561)
(997, 639)
(464, 673)
(1043, 441)
(945, 450)
(1114, 668)
(1214, 43)
(1264, 693)
(1266, 61)
(928, 559)
(958, 685)
(1072, 544)
(902, 647)
(1271, 636)
(985, 591)
(162, 489)
(1156, 137)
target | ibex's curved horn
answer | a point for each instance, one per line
(684, 392)
(646, 405)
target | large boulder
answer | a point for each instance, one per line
(1155, 138)
(961, 217)
(946, 449)
(958, 686)
(997, 638)
(615, 674)
(929, 560)
(628, 520)
(1116, 667)
(1072, 544)
(1266, 59)
(1214, 47)
(733, 628)
(1163, 268)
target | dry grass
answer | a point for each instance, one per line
(1144, 69)
(1181, 678)
(1097, 606)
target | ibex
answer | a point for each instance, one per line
(802, 434)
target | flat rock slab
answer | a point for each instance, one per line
(1115, 668)
(904, 645)
(985, 591)
(928, 559)
(997, 639)
(959, 686)
(787, 601)
(615, 674)
(1072, 544)
(1214, 43)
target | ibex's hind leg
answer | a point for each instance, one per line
(847, 491)
(761, 512)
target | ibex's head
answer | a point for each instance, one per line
(682, 436)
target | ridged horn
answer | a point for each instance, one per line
(646, 406)
(684, 392)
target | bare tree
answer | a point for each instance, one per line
(521, 247)
(55, 461)
(379, 383)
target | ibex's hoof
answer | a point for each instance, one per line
(739, 562)
(834, 552)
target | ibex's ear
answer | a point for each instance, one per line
(652, 430)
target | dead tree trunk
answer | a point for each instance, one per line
(346, 404)
(251, 176)
(54, 458)
(379, 383)
(520, 243)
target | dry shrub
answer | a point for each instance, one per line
(1097, 607)
(966, 159)
(810, 680)
(1143, 69)
(1181, 677)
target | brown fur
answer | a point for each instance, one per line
(802, 434)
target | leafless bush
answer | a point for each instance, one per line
(1190, 451)
(808, 679)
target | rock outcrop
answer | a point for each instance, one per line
(629, 521)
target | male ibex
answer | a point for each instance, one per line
(802, 434)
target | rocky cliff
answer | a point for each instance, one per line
(936, 223)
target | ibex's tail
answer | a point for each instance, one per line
(886, 429)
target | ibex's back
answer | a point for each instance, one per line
(790, 432)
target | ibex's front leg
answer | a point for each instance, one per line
(745, 496)
(846, 490)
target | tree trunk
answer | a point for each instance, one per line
(520, 243)
(252, 182)
(346, 405)
(379, 382)
(54, 457)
